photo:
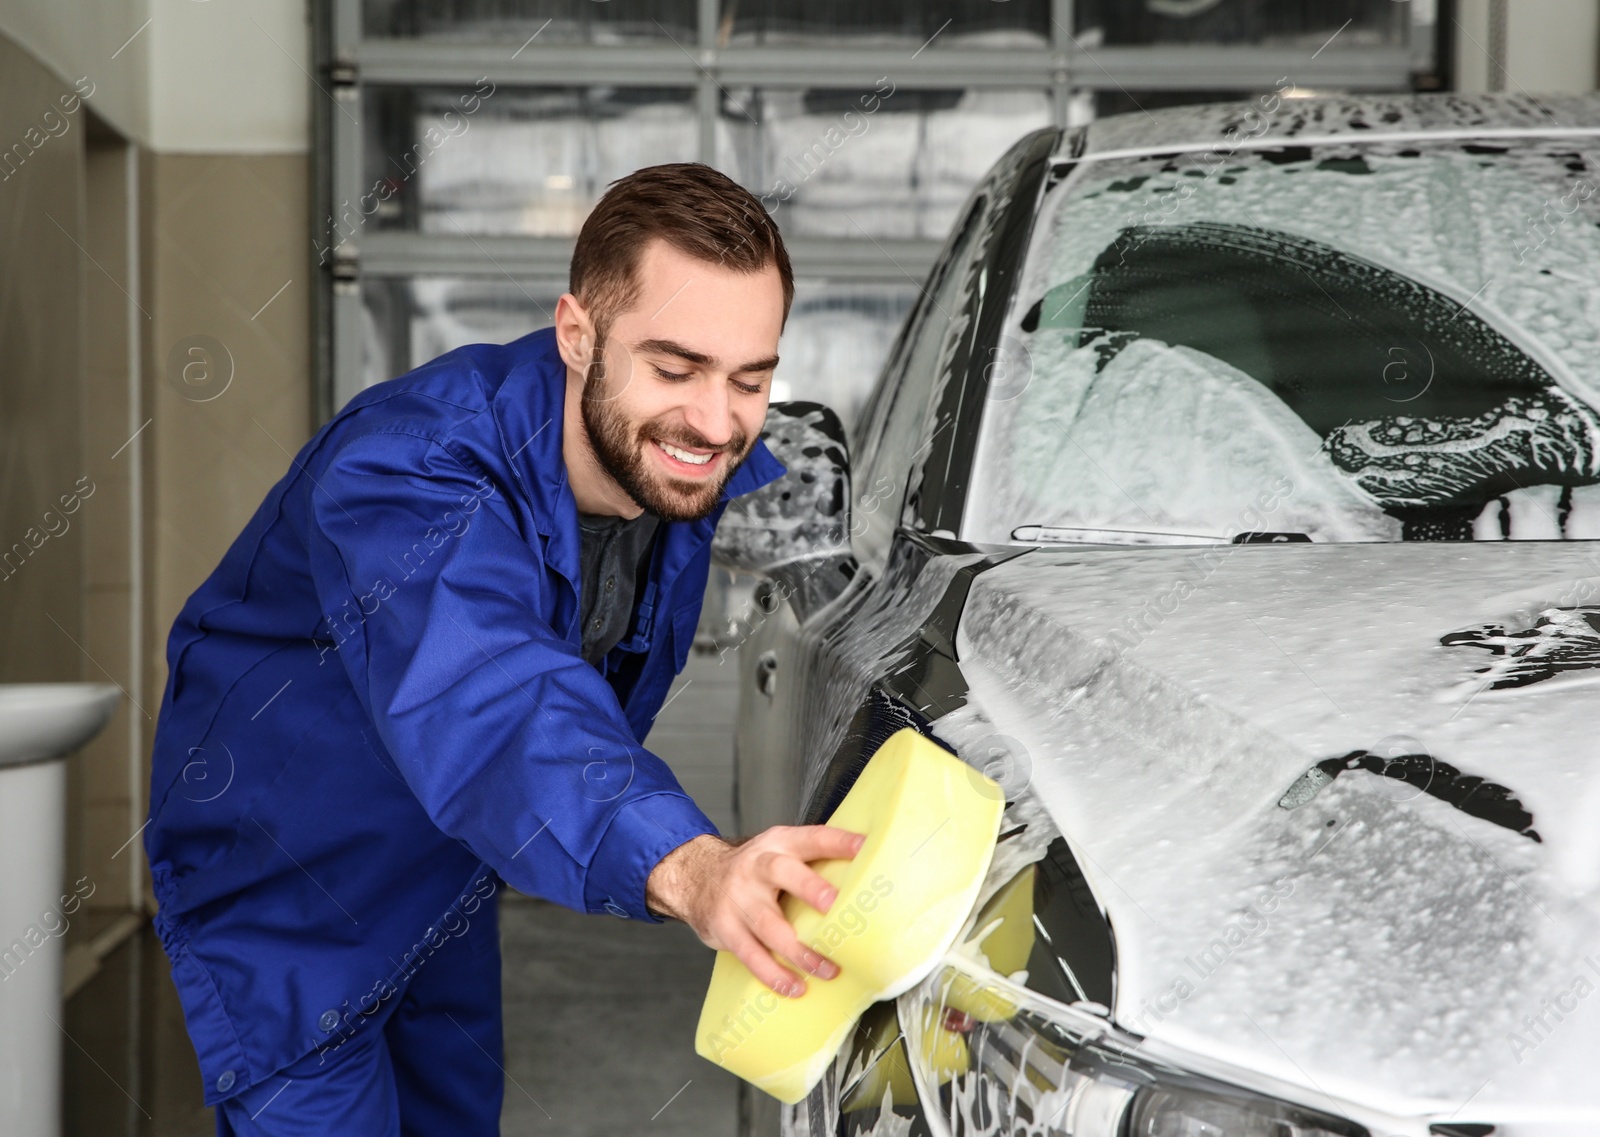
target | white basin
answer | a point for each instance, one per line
(40, 721)
(40, 724)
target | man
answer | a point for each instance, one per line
(427, 663)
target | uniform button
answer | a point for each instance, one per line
(611, 584)
(225, 1082)
(616, 909)
(329, 1020)
(598, 624)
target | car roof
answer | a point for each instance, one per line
(1274, 121)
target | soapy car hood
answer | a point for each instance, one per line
(1341, 803)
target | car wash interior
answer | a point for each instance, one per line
(221, 221)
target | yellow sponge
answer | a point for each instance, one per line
(931, 822)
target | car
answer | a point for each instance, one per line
(1231, 498)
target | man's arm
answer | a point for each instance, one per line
(728, 893)
(511, 743)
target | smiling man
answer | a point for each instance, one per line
(427, 664)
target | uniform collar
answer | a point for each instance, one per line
(528, 408)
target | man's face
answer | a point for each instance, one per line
(677, 395)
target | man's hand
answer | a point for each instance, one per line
(729, 895)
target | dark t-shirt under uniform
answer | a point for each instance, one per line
(615, 560)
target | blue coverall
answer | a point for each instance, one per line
(375, 712)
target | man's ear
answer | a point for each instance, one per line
(575, 337)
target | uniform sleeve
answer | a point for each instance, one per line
(511, 742)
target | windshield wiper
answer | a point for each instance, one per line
(1264, 538)
(1057, 534)
(1067, 535)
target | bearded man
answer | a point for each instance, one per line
(426, 667)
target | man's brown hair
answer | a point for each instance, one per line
(695, 209)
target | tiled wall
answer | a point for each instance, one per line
(227, 256)
(41, 204)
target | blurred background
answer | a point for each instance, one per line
(219, 219)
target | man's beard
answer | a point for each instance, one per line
(620, 444)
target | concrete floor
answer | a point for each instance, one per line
(599, 1027)
(694, 732)
(599, 1012)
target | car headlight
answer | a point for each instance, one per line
(976, 1050)
(1192, 1113)
(1043, 1070)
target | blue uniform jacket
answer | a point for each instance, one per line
(379, 692)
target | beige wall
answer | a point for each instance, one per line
(230, 76)
(223, 234)
(41, 202)
(181, 76)
(86, 40)
(1551, 44)
(1548, 46)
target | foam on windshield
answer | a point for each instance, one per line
(1469, 293)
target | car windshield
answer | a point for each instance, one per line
(1376, 341)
